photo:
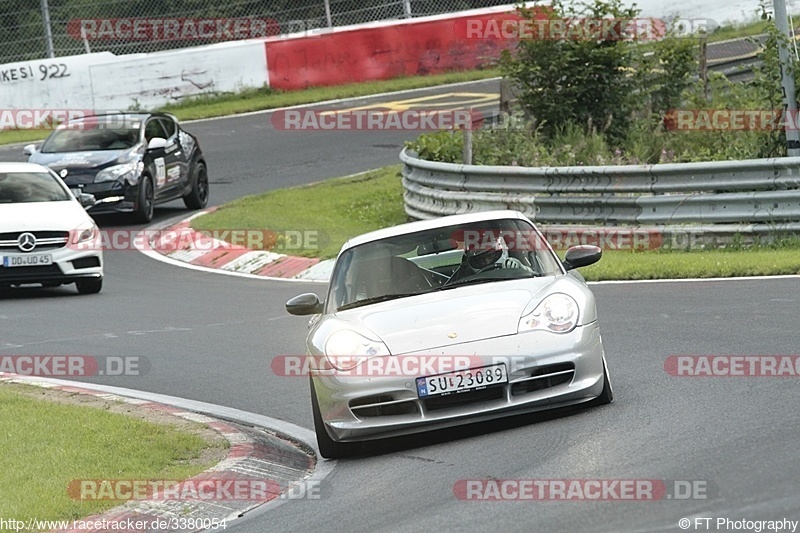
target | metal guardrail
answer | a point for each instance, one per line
(717, 199)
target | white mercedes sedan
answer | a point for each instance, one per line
(46, 236)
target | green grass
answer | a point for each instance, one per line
(627, 265)
(337, 209)
(345, 207)
(46, 444)
(266, 98)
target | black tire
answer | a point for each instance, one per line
(89, 285)
(197, 198)
(328, 448)
(146, 201)
(607, 394)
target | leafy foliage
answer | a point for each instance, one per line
(606, 102)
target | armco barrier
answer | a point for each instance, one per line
(716, 199)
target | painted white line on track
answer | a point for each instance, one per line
(158, 257)
(692, 280)
(164, 259)
(337, 101)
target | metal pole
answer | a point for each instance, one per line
(48, 31)
(787, 82)
(407, 8)
(328, 13)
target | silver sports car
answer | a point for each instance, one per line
(448, 321)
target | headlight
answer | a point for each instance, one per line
(347, 349)
(84, 233)
(127, 170)
(557, 313)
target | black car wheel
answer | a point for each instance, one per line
(198, 196)
(328, 448)
(607, 394)
(144, 205)
(89, 285)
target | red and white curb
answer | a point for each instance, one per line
(254, 456)
(179, 242)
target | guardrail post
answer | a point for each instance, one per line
(48, 30)
(328, 13)
(787, 81)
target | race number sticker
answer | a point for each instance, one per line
(161, 173)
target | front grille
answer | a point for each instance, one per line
(86, 262)
(45, 240)
(29, 272)
(464, 398)
(382, 405)
(543, 378)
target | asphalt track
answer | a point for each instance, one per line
(211, 338)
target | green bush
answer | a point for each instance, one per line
(583, 102)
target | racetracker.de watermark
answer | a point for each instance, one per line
(405, 366)
(74, 365)
(530, 240)
(174, 240)
(582, 489)
(773, 366)
(761, 120)
(66, 119)
(211, 489)
(172, 29)
(374, 120)
(514, 28)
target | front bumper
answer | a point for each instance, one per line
(545, 371)
(68, 266)
(112, 197)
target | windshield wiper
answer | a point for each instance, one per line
(376, 299)
(475, 281)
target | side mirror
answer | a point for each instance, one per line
(581, 256)
(305, 304)
(29, 149)
(87, 200)
(156, 143)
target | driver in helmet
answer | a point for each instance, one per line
(478, 259)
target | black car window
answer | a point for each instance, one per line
(90, 138)
(154, 129)
(24, 187)
(169, 126)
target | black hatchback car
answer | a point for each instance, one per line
(129, 162)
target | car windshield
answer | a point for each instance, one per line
(24, 187)
(93, 136)
(439, 259)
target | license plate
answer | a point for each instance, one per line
(27, 260)
(463, 380)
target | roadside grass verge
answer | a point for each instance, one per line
(266, 98)
(717, 263)
(337, 209)
(50, 438)
(341, 208)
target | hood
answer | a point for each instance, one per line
(449, 317)
(78, 160)
(42, 216)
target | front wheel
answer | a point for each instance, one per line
(89, 285)
(146, 201)
(607, 394)
(197, 198)
(328, 448)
